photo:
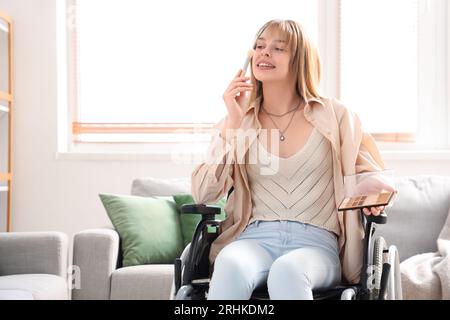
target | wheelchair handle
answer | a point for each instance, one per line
(202, 209)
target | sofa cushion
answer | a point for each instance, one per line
(189, 221)
(148, 227)
(152, 187)
(149, 282)
(417, 215)
(9, 294)
(33, 286)
(43, 252)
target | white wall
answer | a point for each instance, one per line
(62, 195)
(52, 194)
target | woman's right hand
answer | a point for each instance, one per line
(235, 104)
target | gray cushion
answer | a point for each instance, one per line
(418, 214)
(146, 282)
(152, 187)
(33, 286)
(33, 252)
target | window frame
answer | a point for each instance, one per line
(329, 47)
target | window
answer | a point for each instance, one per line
(141, 69)
(146, 72)
(393, 68)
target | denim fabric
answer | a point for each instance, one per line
(292, 257)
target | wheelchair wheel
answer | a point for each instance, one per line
(377, 268)
(348, 294)
(394, 287)
(184, 293)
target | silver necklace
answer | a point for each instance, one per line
(282, 137)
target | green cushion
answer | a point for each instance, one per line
(148, 227)
(189, 221)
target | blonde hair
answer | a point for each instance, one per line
(305, 60)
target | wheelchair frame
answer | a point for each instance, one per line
(379, 279)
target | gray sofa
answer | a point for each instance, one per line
(33, 266)
(414, 223)
(97, 253)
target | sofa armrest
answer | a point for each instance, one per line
(95, 253)
(33, 252)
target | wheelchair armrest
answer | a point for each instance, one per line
(203, 209)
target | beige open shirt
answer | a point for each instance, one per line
(354, 151)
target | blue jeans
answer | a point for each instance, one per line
(292, 257)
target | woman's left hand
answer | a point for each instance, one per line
(373, 210)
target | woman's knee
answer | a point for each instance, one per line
(230, 263)
(285, 271)
(301, 271)
(230, 279)
(288, 281)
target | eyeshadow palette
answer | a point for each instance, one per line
(372, 200)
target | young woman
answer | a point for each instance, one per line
(283, 227)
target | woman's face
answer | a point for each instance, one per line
(271, 49)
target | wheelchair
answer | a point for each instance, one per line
(379, 280)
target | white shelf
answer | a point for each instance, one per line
(3, 188)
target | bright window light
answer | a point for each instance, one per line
(379, 63)
(168, 61)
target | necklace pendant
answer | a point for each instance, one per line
(282, 138)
